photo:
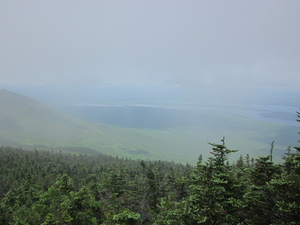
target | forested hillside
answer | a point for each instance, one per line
(39, 187)
(55, 187)
(116, 112)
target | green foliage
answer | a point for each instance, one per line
(56, 188)
(177, 213)
(39, 187)
(214, 189)
(126, 217)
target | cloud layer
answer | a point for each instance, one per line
(179, 43)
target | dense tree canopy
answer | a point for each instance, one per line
(39, 187)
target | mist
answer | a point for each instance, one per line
(194, 68)
(131, 43)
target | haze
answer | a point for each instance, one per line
(229, 59)
(223, 44)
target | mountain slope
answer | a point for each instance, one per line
(28, 123)
(25, 122)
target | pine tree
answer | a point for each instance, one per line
(286, 188)
(214, 189)
(259, 199)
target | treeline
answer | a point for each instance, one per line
(39, 187)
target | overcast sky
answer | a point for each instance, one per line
(180, 43)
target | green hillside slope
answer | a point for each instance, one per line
(27, 123)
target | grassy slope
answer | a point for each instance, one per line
(24, 122)
(186, 143)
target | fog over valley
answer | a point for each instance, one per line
(168, 128)
(150, 112)
(151, 79)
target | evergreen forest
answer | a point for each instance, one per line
(47, 187)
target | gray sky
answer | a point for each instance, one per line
(188, 43)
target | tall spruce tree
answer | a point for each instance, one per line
(214, 189)
(286, 188)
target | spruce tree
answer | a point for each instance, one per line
(286, 188)
(214, 189)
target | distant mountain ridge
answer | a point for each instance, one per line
(20, 107)
(22, 119)
(25, 122)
